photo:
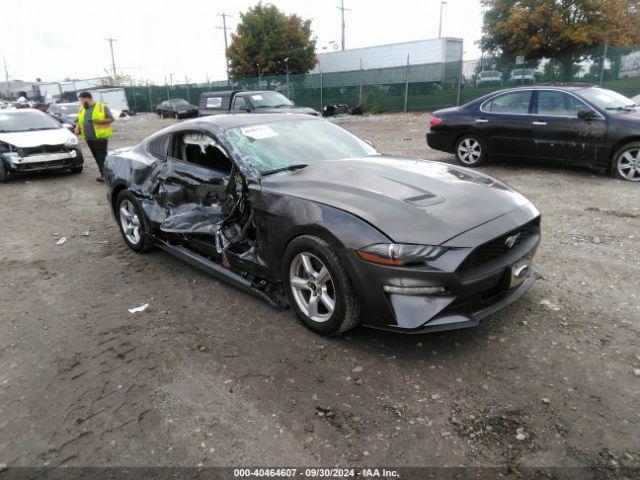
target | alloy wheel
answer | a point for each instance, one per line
(469, 151)
(130, 222)
(312, 287)
(629, 165)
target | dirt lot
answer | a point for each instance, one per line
(210, 375)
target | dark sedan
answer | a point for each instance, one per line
(579, 125)
(176, 108)
(302, 213)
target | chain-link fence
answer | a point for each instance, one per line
(423, 87)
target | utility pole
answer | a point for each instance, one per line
(226, 46)
(171, 79)
(113, 60)
(442, 3)
(342, 9)
(6, 75)
(604, 57)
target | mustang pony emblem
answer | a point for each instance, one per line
(511, 241)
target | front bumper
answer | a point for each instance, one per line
(477, 284)
(46, 161)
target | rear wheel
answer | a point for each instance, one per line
(132, 222)
(626, 163)
(76, 169)
(319, 290)
(470, 151)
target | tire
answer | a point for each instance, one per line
(176, 115)
(76, 170)
(141, 241)
(161, 114)
(3, 172)
(625, 164)
(470, 151)
(336, 288)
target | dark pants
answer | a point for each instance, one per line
(99, 151)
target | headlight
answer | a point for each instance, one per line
(10, 156)
(399, 253)
(71, 142)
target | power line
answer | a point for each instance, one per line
(342, 9)
(226, 46)
(113, 60)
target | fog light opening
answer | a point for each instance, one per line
(414, 290)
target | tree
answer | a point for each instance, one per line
(566, 30)
(267, 37)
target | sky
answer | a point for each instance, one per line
(162, 37)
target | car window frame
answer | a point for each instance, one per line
(564, 92)
(534, 92)
(221, 174)
(235, 99)
(507, 93)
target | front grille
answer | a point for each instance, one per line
(498, 247)
(42, 149)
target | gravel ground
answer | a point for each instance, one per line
(210, 375)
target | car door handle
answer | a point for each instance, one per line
(539, 123)
(482, 120)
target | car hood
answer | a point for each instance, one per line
(409, 200)
(304, 110)
(36, 138)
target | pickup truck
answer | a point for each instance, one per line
(263, 101)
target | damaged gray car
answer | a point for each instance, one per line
(302, 213)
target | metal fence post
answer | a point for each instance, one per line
(361, 80)
(406, 86)
(149, 94)
(321, 85)
(460, 77)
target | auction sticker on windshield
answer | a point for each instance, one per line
(256, 97)
(258, 132)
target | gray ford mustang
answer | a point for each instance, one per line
(302, 213)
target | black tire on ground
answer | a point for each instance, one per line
(347, 305)
(176, 115)
(76, 169)
(628, 168)
(3, 172)
(146, 241)
(470, 151)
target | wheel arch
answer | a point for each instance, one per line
(622, 143)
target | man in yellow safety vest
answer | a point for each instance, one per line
(94, 123)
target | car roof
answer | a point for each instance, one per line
(227, 121)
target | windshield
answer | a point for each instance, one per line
(25, 121)
(268, 100)
(286, 143)
(522, 71)
(489, 74)
(177, 103)
(606, 99)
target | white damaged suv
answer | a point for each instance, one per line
(31, 141)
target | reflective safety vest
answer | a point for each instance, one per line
(99, 113)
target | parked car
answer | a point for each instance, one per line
(176, 108)
(263, 101)
(579, 125)
(302, 213)
(31, 141)
(522, 76)
(488, 78)
(65, 113)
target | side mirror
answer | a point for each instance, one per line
(586, 114)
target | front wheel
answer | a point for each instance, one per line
(470, 151)
(76, 169)
(626, 163)
(319, 290)
(132, 222)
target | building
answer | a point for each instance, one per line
(419, 52)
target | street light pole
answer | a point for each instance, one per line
(113, 61)
(442, 3)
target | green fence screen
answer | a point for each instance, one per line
(424, 87)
